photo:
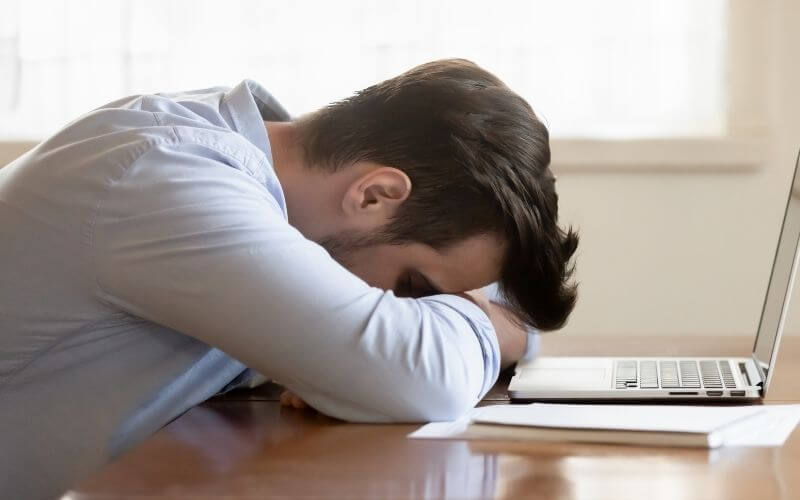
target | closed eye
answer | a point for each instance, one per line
(414, 284)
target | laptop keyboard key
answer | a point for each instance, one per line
(690, 378)
(627, 377)
(710, 373)
(669, 374)
(727, 374)
(648, 375)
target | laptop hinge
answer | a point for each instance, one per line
(755, 373)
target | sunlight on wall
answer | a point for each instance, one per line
(618, 69)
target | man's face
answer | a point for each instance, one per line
(416, 269)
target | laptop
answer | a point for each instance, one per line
(702, 379)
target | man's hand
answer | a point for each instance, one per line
(513, 340)
(288, 398)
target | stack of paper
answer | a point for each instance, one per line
(705, 426)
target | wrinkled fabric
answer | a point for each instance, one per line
(147, 261)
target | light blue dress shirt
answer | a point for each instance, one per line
(147, 260)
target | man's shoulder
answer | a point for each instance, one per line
(185, 124)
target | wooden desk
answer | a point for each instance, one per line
(246, 446)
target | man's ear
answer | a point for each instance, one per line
(374, 197)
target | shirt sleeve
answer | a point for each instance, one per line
(185, 240)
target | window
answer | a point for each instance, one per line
(621, 69)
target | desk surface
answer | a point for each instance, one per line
(246, 445)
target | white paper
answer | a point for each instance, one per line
(443, 430)
(667, 418)
(446, 430)
(769, 428)
(767, 425)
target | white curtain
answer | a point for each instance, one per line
(612, 69)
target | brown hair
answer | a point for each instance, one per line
(477, 156)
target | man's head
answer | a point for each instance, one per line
(440, 183)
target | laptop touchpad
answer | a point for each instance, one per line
(566, 373)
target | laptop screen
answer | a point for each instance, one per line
(779, 290)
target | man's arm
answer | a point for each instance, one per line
(511, 338)
(193, 244)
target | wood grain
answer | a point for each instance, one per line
(253, 448)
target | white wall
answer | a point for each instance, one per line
(688, 251)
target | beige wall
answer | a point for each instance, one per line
(687, 250)
(684, 245)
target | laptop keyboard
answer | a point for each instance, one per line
(678, 374)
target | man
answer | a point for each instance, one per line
(157, 247)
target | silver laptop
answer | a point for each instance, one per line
(701, 379)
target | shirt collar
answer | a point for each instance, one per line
(247, 106)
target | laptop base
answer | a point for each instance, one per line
(596, 379)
